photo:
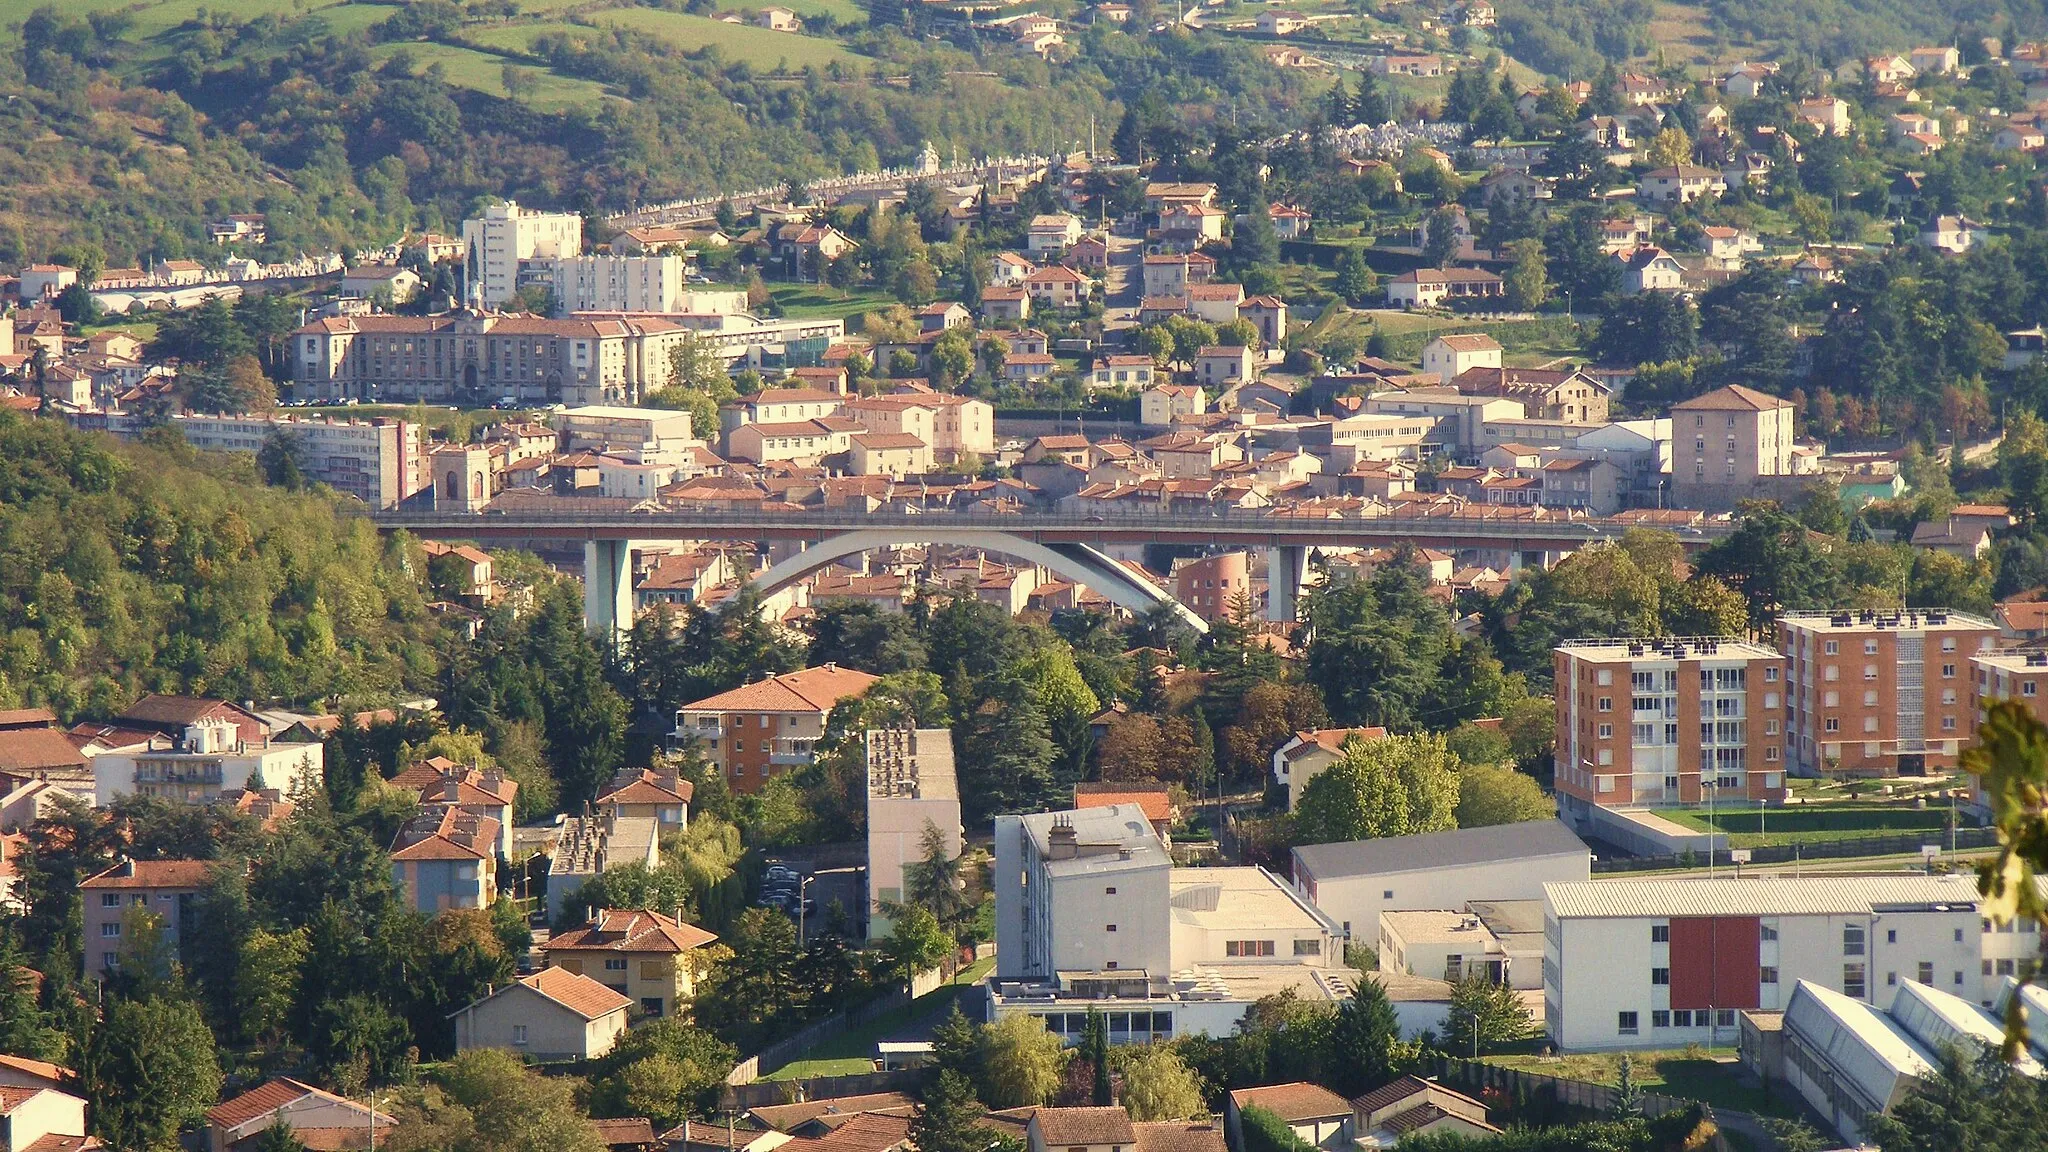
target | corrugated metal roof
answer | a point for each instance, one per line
(1866, 1049)
(1431, 850)
(1755, 896)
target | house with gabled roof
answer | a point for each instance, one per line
(1306, 754)
(42, 1120)
(161, 888)
(319, 1119)
(1317, 1116)
(552, 1015)
(446, 858)
(661, 796)
(1412, 1106)
(638, 953)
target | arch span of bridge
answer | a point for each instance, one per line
(1081, 563)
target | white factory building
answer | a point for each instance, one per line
(1663, 963)
(1091, 913)
(1352, 883)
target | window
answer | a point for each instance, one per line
(1948, 723)
(109, 961)
(1959, 935)
(1767, 975)
(1832, 674)
(1948, 644)
(109, 931)
(1832, 725)
(1870, 671)
(1948, 671)
(1767, 932)
(615, 963)
(1660, 1019)
(1925, 974)
(1831, 648)
(1891, 979)
(1682, 1018)
(1604, 677)
(1852, 939)
(1606, 704)
(1308, 947)
(519, 1033)
(1660, 976)
(1109, 891)
(110, 899)
(1852, 981)
(1959, 978)
(2027, 688)
(2004, 968)
(1725, 1017)
(1387, 895)
(1109, 927)
(1870, 724)
(1607, 732)
(1831, 699)
(1770, 675)
(1625, 1023)
(1248, 948)
(1660, 933)
(1870, 699)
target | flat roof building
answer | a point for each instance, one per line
(912, 795)
(1880, 693)
(1353, 883)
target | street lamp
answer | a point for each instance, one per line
(1711, 788)
(804, 884)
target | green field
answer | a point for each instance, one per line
(1814, 823)
(519, 37)
(854, 1051)
(1689, 1074)
(757, 46)
(808, 301)
(485, 72)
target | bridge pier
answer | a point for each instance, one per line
(608, 589)
(1286, 575)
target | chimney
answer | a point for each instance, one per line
(1062, 843)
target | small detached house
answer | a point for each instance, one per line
(551, 1015)
(1316, 1115)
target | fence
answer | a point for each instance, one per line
(1895, 844)
(740, 1097)
(790, 1047)
(1479, 1076)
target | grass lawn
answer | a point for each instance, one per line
(520, 37)
(485, 72)
(1688, 1074)
(854, 1051)
(809, 301)
(757, 46)
(1813, 823)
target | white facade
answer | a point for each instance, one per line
(1231, 916)
(504, 235)
(1087, 891)
(615, 283)
(1353, 883)
(911, 787)
(1621, 957)
(378, 461)
(616, 427)
(204, 763)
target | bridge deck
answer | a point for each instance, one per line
(1251, 529)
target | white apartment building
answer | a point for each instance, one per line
(210, 758)
(911, 788)
(379, 462)
(1090, 913)
(1353, 883)
(497, 241)
(1662, 963)
(614, 283)
(644, 434)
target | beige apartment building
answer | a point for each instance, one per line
(1723, 441)
(1880, 693)
(768, 727)
(1644, 722)
(161, 888)
(636, 952)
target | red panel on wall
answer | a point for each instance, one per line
(1714, 962)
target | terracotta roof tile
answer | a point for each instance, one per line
(810, 690)
(578, 993)
(1293, 1102)
(1111, 1125)
(632, 930)
(1156, 803)
(787, 1117)
(1178, 1136)
(28, 750)
(632, 1130)
(261, 1100)
(153, 874)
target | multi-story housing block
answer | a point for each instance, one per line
(1880, 693)
(504, 235)
(1666, 722)
(379, 461)
(768, 727)
(474, 357)
(912, 794)
(108, 901)
(614, 283)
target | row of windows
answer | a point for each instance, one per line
(1626, 1023)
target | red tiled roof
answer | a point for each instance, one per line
(1155, 802)
(261, 1100)
(578, 993)
(28, 750)
(152, 874)
(1293, 1102)
(55, 1073)
(785, 1117)
(1069, 1126)
(646, 787)
(633, 1130)
(632, 930)
(868, 1132)
(810, 690)
(1178, 1136)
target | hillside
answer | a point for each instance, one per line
(350, 123)
(134, 568)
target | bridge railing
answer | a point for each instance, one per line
(1178, 521)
